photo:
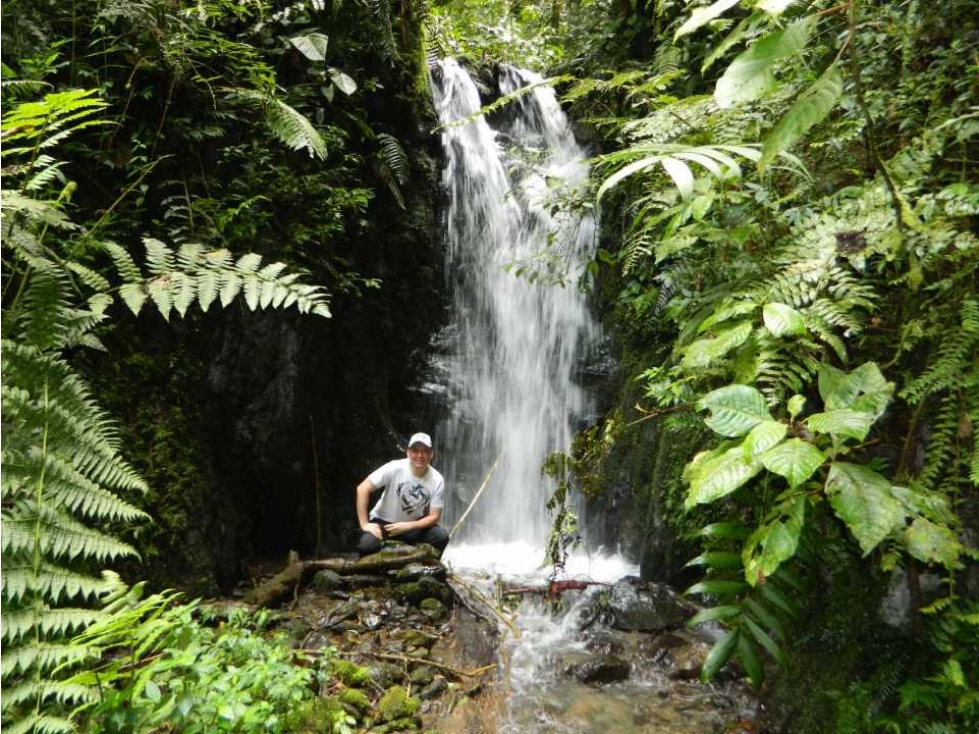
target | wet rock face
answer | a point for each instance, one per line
(646, 607)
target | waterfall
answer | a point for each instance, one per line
(515, 342)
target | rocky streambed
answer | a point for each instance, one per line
(420, 649)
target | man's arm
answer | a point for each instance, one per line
(422, 523)
(364, 490)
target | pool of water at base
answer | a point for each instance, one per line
(537, 696)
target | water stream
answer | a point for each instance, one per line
(508, 364)
(513, 349)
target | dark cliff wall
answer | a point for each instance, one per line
(254, 428)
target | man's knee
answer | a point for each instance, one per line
(437, 537)
(368, 544)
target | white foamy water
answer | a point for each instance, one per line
(522, 561)
(514, 346)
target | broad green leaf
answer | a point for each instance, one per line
(765, 617)
(863, 389)
(716, 559)
(762, 438)
(765, 640)
(862, 499)
(735, 409)
(932, 543)
(343, 82)
(725, 531)
(748, 655)
(152, 691)
(778, 541)
(741, 30)
(809, 110)
(705, 351)
(777, 597)
(933, 505)
(796, 405)
(781, 320)
(850, 423)
(701, 16)
(750, 76)
(312, 45)
(720, 476)
(681, 174)
(728, 310)
(795, 460)
(718, 655)
(707, 615)
(718, 587)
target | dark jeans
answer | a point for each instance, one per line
(435, 536)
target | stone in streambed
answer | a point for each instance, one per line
(594, 668)
(384, 675)
(327, 581)
(424, 588)
(646, 607)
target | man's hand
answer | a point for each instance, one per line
(397, 528)
(374, 529)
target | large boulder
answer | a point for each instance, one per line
(646, 607)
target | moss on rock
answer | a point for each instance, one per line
(350, 674)
(396, 704)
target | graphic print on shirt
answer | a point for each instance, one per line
(413, 497)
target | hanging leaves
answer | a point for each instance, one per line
(783, 320)
(751, 75)
(862, 499)
(311, 45)
(809, 110)
(701, 16)
(735, 409)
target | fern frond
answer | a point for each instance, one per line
(14, 624)
(58, 536)
(46, 655)
(294, 129)
(50, 582)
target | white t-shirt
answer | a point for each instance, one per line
(405, 496)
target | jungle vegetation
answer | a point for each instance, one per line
(788, 265)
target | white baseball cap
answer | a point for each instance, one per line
(422, 438)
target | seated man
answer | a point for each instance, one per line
(410, 505)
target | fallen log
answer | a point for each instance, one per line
(297, 574)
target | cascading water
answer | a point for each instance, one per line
(508, 362)
(515, 344)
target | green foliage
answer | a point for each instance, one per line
(161, 664)
(64, 481)
(770, 282)
(948, 699)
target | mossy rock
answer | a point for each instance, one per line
(355, 700)
(424, 588)
(315, 716)
(385, 675)
(433, 609)
(421, 676)
(418, 638)
(396, 705)
(350, 674)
